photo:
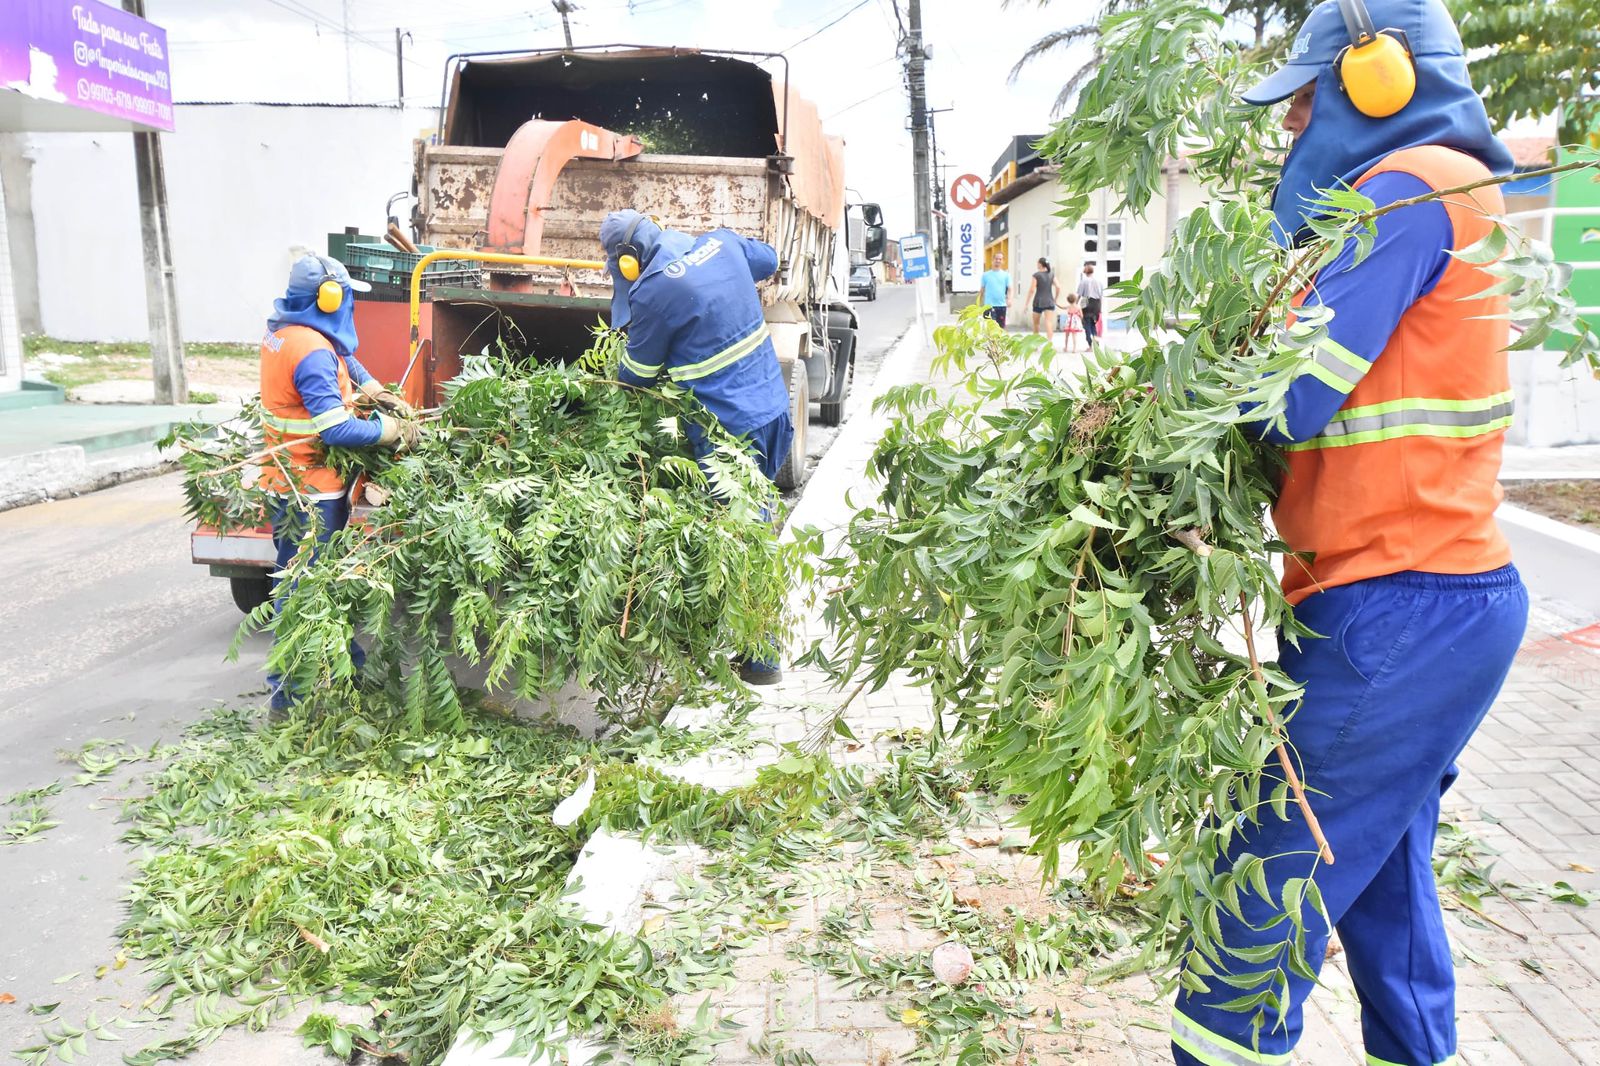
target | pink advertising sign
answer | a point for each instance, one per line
(86, 55)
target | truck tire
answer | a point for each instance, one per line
(250, 592)
(844, 372)
(792, 474)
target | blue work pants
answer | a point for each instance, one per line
(290, 525)
(1405, 669)
(769, 444)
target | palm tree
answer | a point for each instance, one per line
(1260, 17)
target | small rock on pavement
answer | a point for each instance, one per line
(952, 962)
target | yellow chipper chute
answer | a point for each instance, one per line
(504, 258)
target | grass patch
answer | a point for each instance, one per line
(1576, 502)
(96, 361)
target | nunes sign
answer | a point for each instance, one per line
(81, 65)
(966, 233)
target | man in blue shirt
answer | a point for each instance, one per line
(692, 312)
(996, 285)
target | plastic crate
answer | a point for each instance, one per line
(382, 264)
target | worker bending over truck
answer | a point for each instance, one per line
(691, 310)
(311, 391)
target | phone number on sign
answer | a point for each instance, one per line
(123, 100)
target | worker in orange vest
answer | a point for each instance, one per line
(1392, 439)
(313, 396)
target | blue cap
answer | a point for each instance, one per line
(612, 231)
(1426, 23)
(310, 271)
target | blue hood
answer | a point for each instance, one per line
(1340, 143)
(657, 247)
(300, 309)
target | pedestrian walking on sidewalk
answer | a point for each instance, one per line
(1392, 443)
(692, 312)
(1043, 290)
(311, 389)
(1071, 322)
(1091, 291)
(996, 288)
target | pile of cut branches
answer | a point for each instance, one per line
(1075, 563)
(551, 526)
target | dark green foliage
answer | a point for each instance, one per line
(341, 856)
(550, 526)
(1534, 58)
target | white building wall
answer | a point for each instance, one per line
(246, 184)
(1035, 230)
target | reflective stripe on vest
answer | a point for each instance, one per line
(1215, 1050)
(307, 427)
(300, 466)
(1336, 366)
(1414, 418)
(719, 360)
(1373, 1060)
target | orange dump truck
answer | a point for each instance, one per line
(535, 148)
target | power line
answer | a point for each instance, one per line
(895, 4)
(863, 100)
(826, 26)
(295, 7)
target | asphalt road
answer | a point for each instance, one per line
(108, 631)
(881, 322)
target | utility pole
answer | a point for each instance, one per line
(936, 191)
(565, 8)
(160, 290)
(400, 67)
(349, 67)
(917, 84)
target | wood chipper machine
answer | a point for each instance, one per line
(534, 148)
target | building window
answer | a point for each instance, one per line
(1091, 239)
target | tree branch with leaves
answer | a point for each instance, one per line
(1073, 562)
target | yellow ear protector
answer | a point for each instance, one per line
(330, 294)
(1376, 70)
(628, 254)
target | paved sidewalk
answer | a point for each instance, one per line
(1529, 977)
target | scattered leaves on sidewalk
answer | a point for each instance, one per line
(1464, 868)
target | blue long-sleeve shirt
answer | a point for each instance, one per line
(317, 380)
(698, 318)
(1409, 254)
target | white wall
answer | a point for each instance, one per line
(1034, 212)
(245, 184)
(1554, 406)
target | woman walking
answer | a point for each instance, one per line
(1043, 291)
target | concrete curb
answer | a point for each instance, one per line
(1549, 527)
(68, 470)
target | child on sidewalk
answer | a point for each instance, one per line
(1072, 322)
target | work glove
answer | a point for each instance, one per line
(385, 399)
(401, 434)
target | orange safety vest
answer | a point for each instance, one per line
(1405, 476)
(284, 416)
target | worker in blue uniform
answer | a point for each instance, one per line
(313, 392)
(1392, 444)
(692, 312)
